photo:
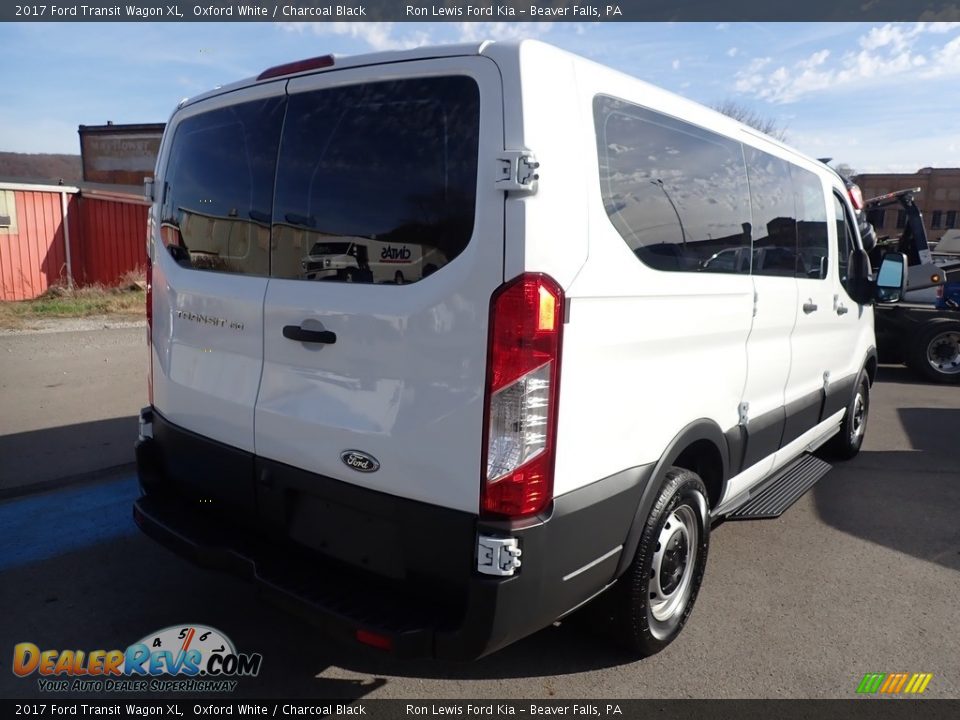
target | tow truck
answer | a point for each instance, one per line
(924, 336)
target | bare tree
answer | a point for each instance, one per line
(845, 170)
(749, 116)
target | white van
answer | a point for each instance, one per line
(561, 407)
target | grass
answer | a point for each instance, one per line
(127, 299)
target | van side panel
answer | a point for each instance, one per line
(545, 232)
(645, 352)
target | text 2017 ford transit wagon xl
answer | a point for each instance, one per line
(627, 317)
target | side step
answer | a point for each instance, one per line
(775, 496)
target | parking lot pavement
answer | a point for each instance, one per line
(68, 403)
(861, 575)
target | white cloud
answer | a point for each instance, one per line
(732, 52)
(475, 32)
(887, 54)
(675, 64)
(377, 35)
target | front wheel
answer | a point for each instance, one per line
(847, 443)
(655, 596)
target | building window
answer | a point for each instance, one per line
(951, 219)
(935, 218)
(8, 213)
(901, 219)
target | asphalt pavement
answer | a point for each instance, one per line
(861, 575)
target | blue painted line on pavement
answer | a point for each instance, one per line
(41, 527)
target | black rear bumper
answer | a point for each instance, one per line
(355, 561)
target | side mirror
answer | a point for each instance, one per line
(860, 277)
(892, 278)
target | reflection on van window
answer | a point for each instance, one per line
(812, 239)
(676, 193)
(376, 182)
(218, 188)
(774, 215)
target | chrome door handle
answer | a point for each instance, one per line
(809, 307)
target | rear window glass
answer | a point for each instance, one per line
(675, 192)
(376, 183)
(218, 188)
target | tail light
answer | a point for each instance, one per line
(523, 372)
(150, 329)
(856, 197)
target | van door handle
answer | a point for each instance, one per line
(841, 309)
(809, 307)
(295, 332)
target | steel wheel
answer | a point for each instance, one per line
(943, 352)
(858, 418)
(673, 564)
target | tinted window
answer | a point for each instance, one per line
(845, 241)
(676, 193)
(376, 182)
(774, 215)
(219, 185)
(812, 239)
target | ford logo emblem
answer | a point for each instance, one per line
(359, 461)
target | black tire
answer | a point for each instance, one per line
(847, 443)
(934, 351)
(639, 622)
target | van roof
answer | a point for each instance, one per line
(348, 61)
(509, 50)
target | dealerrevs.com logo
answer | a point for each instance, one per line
(180, 658)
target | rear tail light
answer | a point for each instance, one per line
(523, 372)
(375, 640)
(150, 329)
(856, 197)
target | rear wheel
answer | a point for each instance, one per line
(653, 600)
(847, 443)
(935, 351)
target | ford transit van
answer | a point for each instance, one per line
(630, 317)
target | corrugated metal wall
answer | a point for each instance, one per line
(107, 239)
(114, 239)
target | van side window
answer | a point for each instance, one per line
(774, 215)
(813, 246)
(675, 192)
(376, 182)
(218, 188)
(845, 239)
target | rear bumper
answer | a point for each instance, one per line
(394, 567)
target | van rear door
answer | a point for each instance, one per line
(210, 253)
(374, 373)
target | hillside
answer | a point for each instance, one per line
(40, 166)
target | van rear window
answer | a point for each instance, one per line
(218, 188)
(376, 183)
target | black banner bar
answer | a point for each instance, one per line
(854, 709)
(478, 10)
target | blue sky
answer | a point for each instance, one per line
(880, 97)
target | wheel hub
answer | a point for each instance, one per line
(674, 562)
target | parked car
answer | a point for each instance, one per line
(559, 409)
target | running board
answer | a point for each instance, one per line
(775, 496)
